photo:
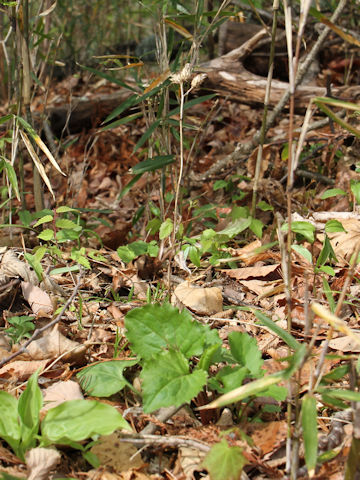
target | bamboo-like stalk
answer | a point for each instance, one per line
(266, 106)
(26, 82)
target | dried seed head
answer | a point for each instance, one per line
(183, 75)
(197, 80)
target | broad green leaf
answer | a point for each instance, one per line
(77, 420)
(224, 462)
(304, 252)
(167, 381)
(355, 189)
(65, 209)
(246, 352)
(276, 392)
(67, 224)
(332, 226)
(46, 235)
(309, 428)
(80, 259)
(153, 249)
(207, 358)
(236, 227)
(347, 395)
(229, 378)
(44, 219)
(29, 406)
(332, 192)
(126, 253)
(163, 326)
(25, 217)
(336, 374)
(153, 226)
(280, 332)
(152, 164)
(256, 226)
(247, 390)
(264, 206)
(306, 229)
(327, 269)
(166, 229)
(66, 235)
(327, 253)
(9, 423)
(104, 379)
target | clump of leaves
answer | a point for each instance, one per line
(21, 327)
(69, 422)
(175, 354)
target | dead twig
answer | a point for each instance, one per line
(170, 441)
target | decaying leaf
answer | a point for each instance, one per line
(22, 370)
(38, 299)
(61, 392)
(40, 461)
(204, 301)
(120, 456)
(12, 267)
(54, 344)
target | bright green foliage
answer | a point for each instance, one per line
(21, 328)
(228, 378)
(67, 423)
(77, 420)
(246, 352)
(309, 427)
(29, 406)
(104, 379)
(166, 229)
(9, 425)
(306, 229)
(355, 190)
(129, 252)
(167, 381)
(224, 462)
(152, 328)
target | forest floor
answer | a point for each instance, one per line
(221, 285)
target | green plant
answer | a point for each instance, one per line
(167, 349)
(69, 423)
(21, 328)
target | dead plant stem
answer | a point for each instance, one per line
(266, 106)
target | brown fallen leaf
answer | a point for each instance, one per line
(40, 461)
(54, 344)
(61, 392)
(204, 301)
(257, 271)
(38, 299)
(22, 370)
